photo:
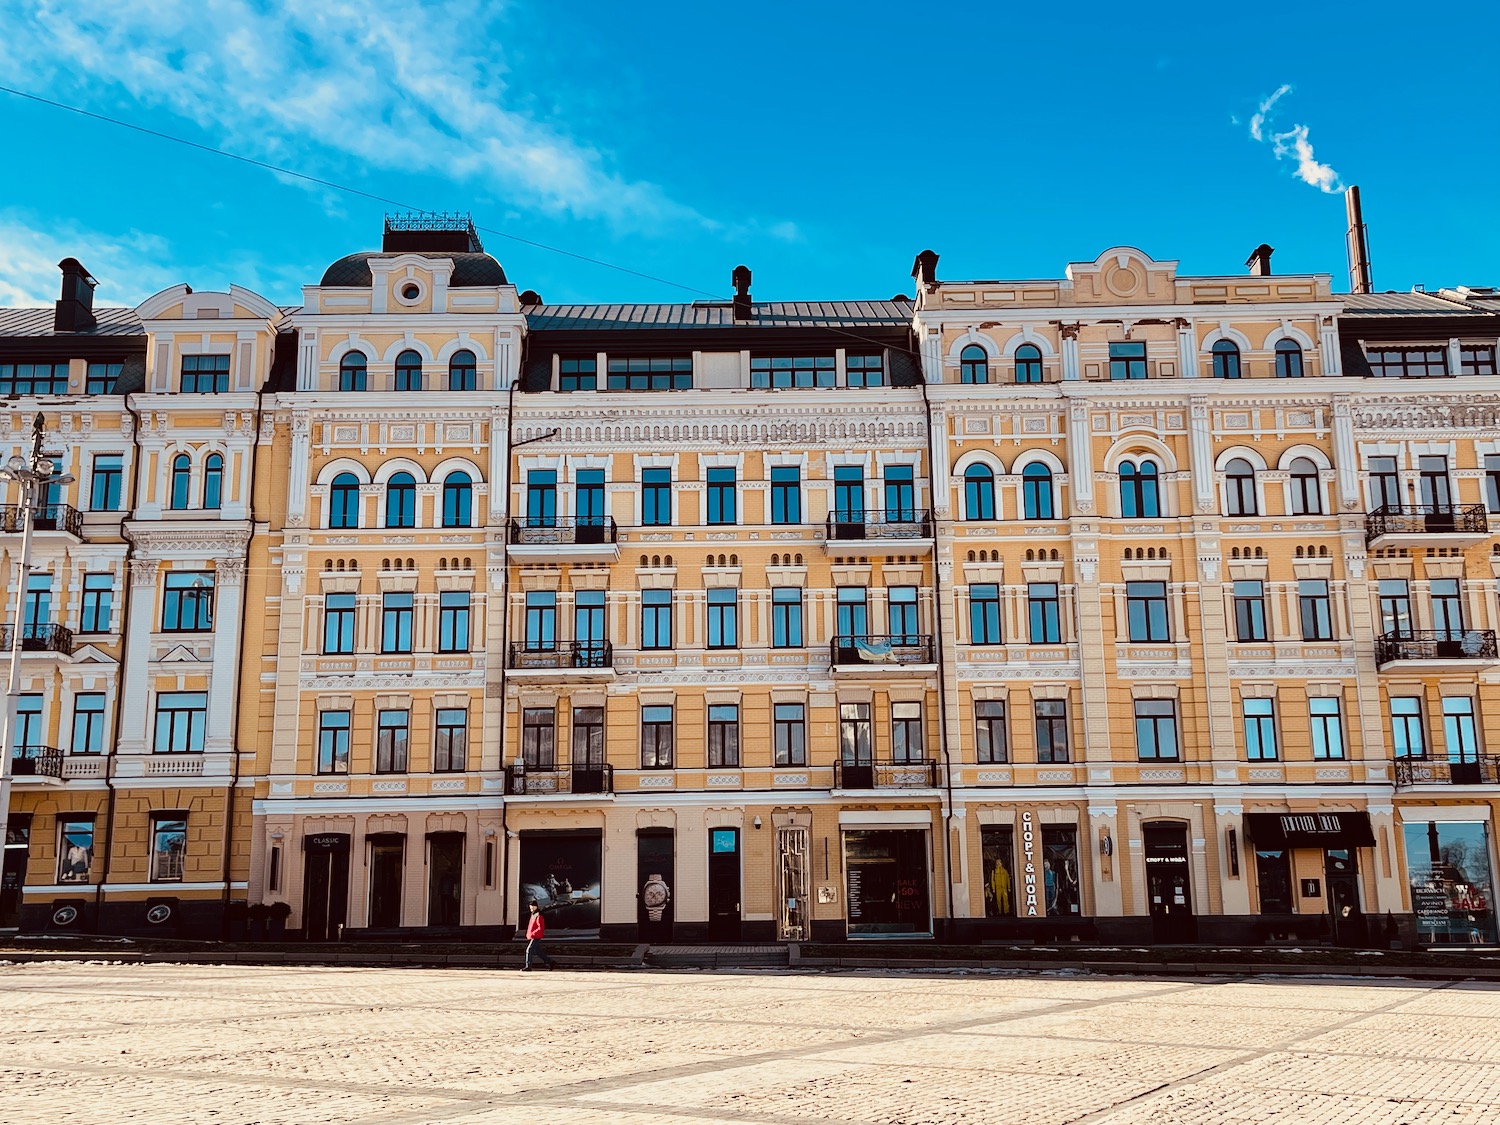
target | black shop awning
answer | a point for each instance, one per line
(1310, 830)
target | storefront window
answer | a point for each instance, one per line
(560, 872)
(1060, 870)
(996, 841)
(1273, 874)
(887, 882)
(1452, 882)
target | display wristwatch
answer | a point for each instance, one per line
(655, 894)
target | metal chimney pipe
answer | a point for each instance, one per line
(1359, 245)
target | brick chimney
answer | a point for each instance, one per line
(75, 308)
(741, 279)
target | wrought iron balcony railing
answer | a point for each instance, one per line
(37, 761)
(1426, 519)
(561, 531)
(918, 773)
(879, 523)
(38, 637)
(887, 649)
(564, 654)
(1436, 644)
(49, 517)
(572, 780)
(1442, 771)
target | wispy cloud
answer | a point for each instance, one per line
(1292, 144)
(129, 269)
(402, 86)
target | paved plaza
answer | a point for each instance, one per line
(102, 1043)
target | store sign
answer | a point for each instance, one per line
(1315, 824)
(1430, 905)
(1028, 866)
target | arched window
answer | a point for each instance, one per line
(408, 372)
(343, 501)
(458, 500)
(401, 501)
(353, 375)
(974, 365)
(1226, 360)
(1140, 497)
(213, 482)
(1307, 492)
(182, 476)
(979, 493)
(1288, 359)
(1036, 492)
(1028, 364)
(463, 375)
(1239, 488)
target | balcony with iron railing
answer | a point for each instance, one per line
(1414, 772)
(44, 763)
(42, 636)
(49, 517)
(563, 656)
(916, 773)
(1436, 648)
(888, 652)
(559, 780)
(886, 531)
(575, 538)
(1418, 525)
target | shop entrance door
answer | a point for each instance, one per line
(724, 884)
(655, 861)
(13, 872)
(1169, 890)
(445, 874)
(886, 873)
(325, 885)
(1341, 874)
(793, 916)
(386, 853)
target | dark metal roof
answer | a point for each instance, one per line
(715, 314)
(38, 322)
(1402, 304)
(470, 271)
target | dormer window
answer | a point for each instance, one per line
(205, 374)
(33, 378)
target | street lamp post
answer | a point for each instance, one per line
(32, 475)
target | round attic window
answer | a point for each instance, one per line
(409, 292)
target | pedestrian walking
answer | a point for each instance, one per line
(536, 930)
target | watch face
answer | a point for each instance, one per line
(654, 894)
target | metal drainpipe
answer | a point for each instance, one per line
(937, 630)
(510, 403)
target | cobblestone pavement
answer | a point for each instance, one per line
(98, 1043)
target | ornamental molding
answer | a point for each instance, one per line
(1470, 412)
(165, 539)
(385, 681)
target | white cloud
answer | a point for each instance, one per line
(402, 86)
(1293, 143)
(128, 269)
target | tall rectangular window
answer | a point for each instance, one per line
(790, 734)
(1447, 608)
(1385, 483)
(1249, 610)
(852, 619)
(168, 847)
(107, 482)
(102, 378)
(1156, 729)
(1327, 727)
(1045, 613)
(723, 734)
(396, 613)
(88, 723)
(848, 494)
(1433, 486)
(786, 617)
(1395, 605)
(541, 498)
(588, 736)
(1146, 611)
(539, 737)
(1051, 730)
(1460, 736)
(75, 849)
(656, 497)
(865, 370)
(1315, 609)
(577, 373)
(786, 494)
(656, 619)
(453, 621)
(856, 736)
(392, 741)
(906, 732)
(989, 731)
(450, 740)
(333, 742)
(338, 623)
(721, 496)
(651, 373)
(1127, 361)
(900, 494)
(656, 738)
(1408, 738)
(1260, 730)
(541, 621)
(984, 614)
(723, 617)
(181, 722)
(1492, 483)
(188, 602)
(205, 374)
(901, 614)
(97, 604)
(38, 608)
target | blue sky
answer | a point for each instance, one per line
(821, 144)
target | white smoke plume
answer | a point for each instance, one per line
(1293, 144)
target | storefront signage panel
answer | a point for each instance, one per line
(1452, 881)
(561, 871)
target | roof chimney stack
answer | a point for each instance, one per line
(75, 308)
(924, 269)
(1259, 261)
(741, 279)
(1359, 245)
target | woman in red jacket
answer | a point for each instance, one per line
(536, 929)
